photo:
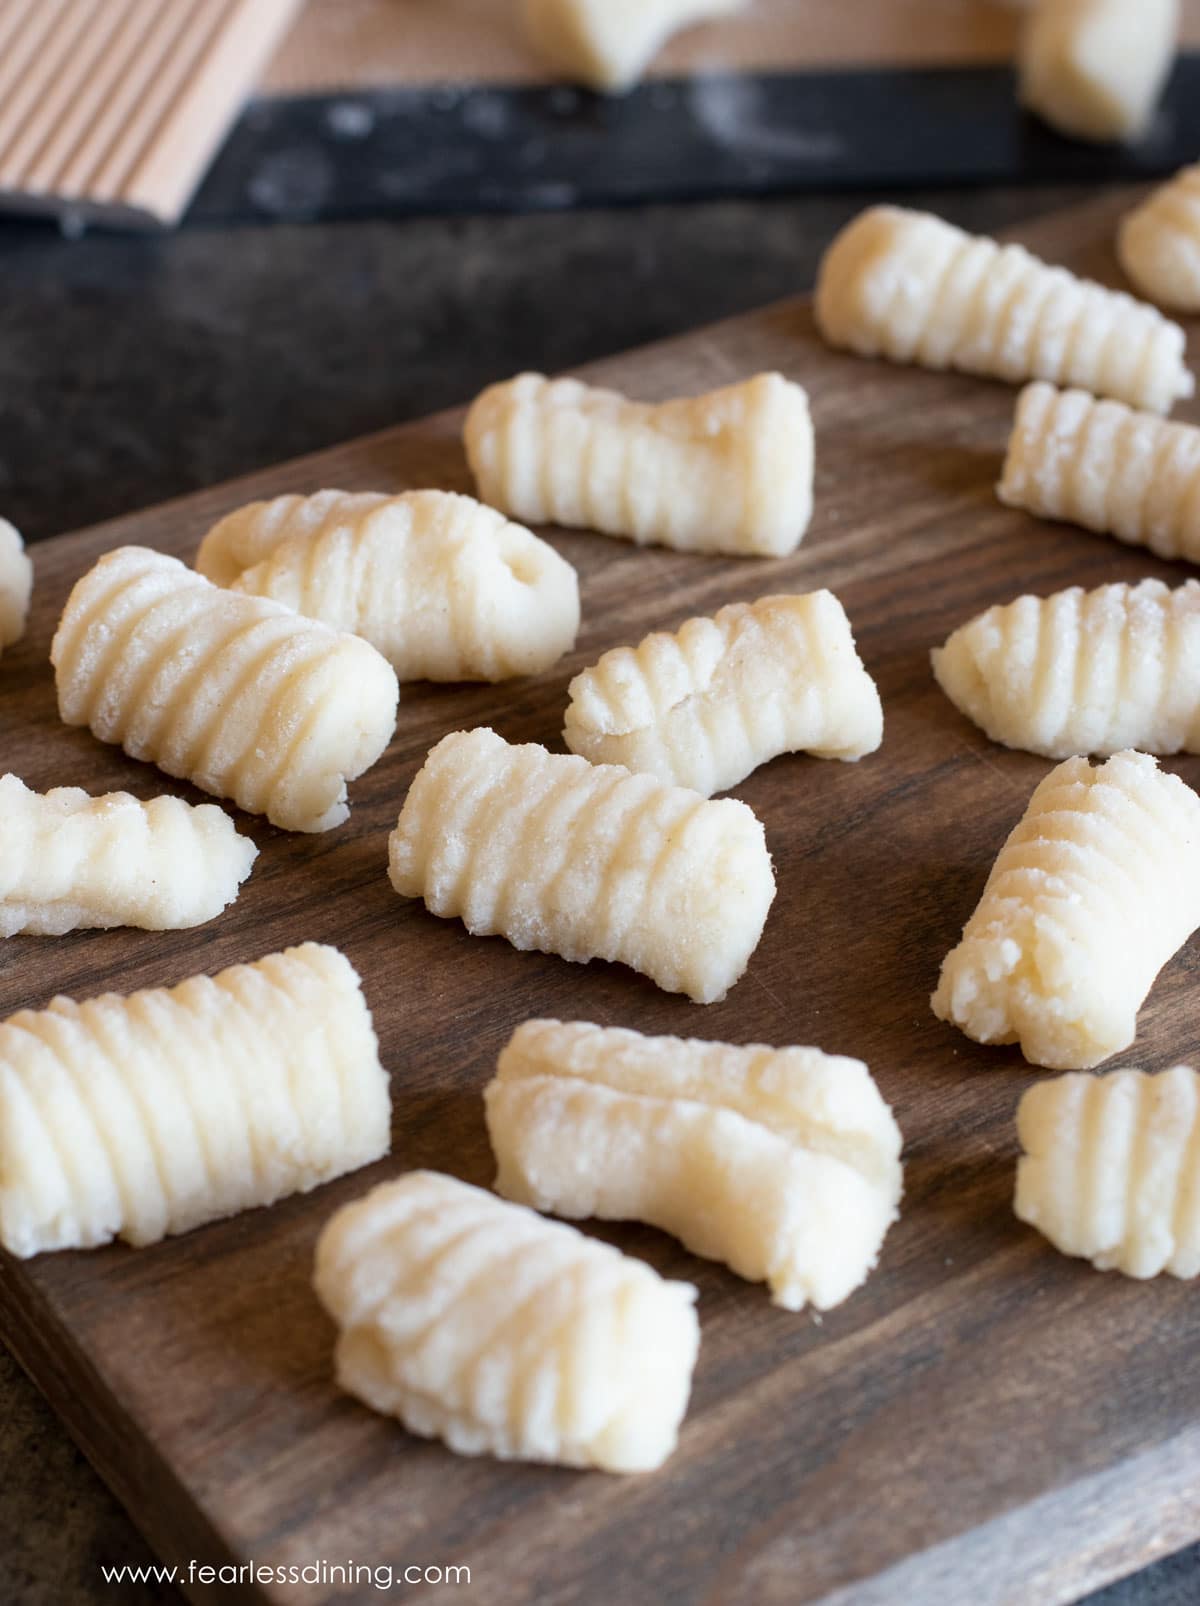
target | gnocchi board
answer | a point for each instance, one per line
(985, 1420)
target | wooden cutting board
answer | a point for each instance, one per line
(984, 1421)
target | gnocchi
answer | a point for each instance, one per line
(585, 861)
(145, 1116)
(607, 44)
(728, 472)
(68, 860)
(1082, 671)
(910, 287)
(1111, 1169)
(443, 587)
(479, 1323)
(239, 695)
(1092, 893)
(782, 1163)
(1095, 69)
(1159, 244)
(706, 706)
(16, 584)
(1106, 467)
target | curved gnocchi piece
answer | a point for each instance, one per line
(728, 472)
(239, 695)
(1106, 467)
(479, 1323)
(1096, 69)
(146, 1116)
(608, 44)
(443, 587)
(910, 287)
(1111, 1169)
(1092, 893)
(68, 861)
(709, 704)
(586, 861)
(1082, 671)
(1159, 243)
(16, 584)
(782, 1163)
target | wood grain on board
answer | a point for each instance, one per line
(348, 44)
(985, 1420)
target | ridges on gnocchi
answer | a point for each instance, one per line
(585, 861)
(729, 472)
(480, 1323)
(143, 1116)
(443, 587)
(782, 1163)
(706, 706)
(68, 860)
(1094, 890)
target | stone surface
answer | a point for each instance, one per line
(134, 370)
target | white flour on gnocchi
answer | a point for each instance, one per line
(479, 1323)
(782, 1163)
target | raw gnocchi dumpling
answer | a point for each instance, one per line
(1159, 243)
(586, 861)
(445, 588)
(238, 695)
(1095, 69)
(1102, 465)
(782, 1163)
(16, 584)
(728, 472)
(1082, 671)
(68, 861)
(1092, 893)
(910, 287)
(479, 1323)
(1111, 1169)
(607, 44)
(709, 704)
(143, 1116)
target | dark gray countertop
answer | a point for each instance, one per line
(133, 370)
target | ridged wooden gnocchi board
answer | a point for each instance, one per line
(984, 1421)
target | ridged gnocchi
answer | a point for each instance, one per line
(443, 587)
(1092, 893)
(1082, 671)
(16, 584)
(1159, 243)
(144, 1116)
(239, 695)
(68, 861)
(585, 861)
(782, 1163)
(910, 287)
(1111, 1169)
(728, 472)
(481, 1324)
(1106, 467)
(706, 706)
(607, 44)
(1095, 69)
